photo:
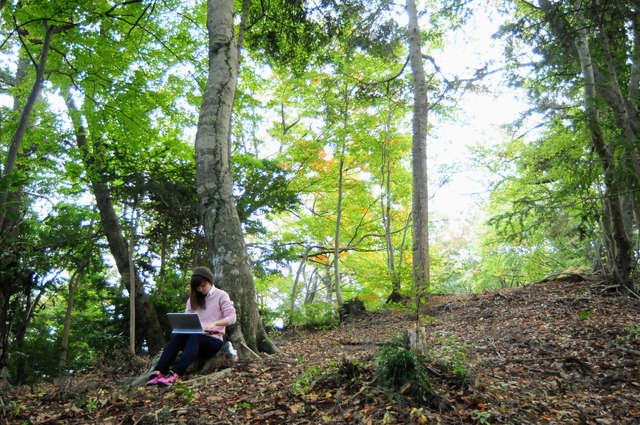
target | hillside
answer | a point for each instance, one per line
(558, 352)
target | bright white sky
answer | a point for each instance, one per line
(481, 116)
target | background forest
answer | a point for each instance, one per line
(98, 191)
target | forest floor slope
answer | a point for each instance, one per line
(563, 351)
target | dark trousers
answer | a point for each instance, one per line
(192, 346)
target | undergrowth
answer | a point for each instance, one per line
(409, 373)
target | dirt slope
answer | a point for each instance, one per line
(558, 352)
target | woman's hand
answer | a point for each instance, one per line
(217, 323)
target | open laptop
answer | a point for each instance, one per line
(185, 323)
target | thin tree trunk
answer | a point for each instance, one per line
(625, 112)
(66, 330)
(148, 322)
(312, 287)
(294, 289)
(617, 243)
(336, 244)
(16, 141)
(633, 94)
(132, 282)
(620, 246)
(385, 203)
(73, 285)
(10, 205)
(341, 172)
(420, 208)
(162, 275)
(147, 319)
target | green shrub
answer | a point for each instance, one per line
(453, 359)
(317, 316)
(307, 379)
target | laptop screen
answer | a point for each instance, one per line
(185, 323)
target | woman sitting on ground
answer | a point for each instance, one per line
(215, 311)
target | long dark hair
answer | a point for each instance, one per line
(198, 300)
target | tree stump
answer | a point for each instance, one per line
(353, 307)
(398, 298)
(416, 339)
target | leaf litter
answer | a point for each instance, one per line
(562, 351)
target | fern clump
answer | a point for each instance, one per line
(400, 369)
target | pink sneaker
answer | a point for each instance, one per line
(155, 377)
(168, 380)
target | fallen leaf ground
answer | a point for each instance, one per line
(564, 351)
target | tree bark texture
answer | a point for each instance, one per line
(229, 260)
(419, 155)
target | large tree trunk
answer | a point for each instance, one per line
(229, 260)
(419, 155)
